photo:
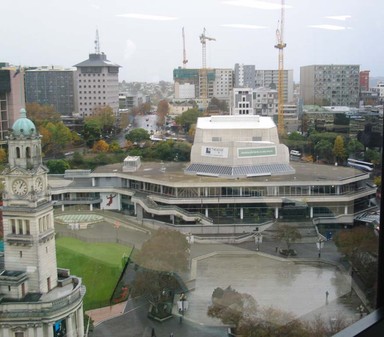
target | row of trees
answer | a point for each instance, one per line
(56, 136)
(330, 147)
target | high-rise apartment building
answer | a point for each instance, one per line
(223, 84)
(336, 85)
(248, 76)
(244, 76)
(51, 86)
(12, 97)
(188, 84)
(97, 85)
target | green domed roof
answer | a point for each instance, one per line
(23, 125)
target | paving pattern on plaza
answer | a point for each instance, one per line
(78, 218)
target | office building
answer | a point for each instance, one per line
(52, 86)
(97, 85)
(190, 84)
(330, 85)
(12, 97)
(249, 77)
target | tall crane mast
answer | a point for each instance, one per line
(185, 61)
(280, 91)
(204, 72)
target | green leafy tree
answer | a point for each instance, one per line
(354, 148)
(188, 118)
(323, 149)
(339, 149)
(114, 146)
(372, 156)
(58, 166)
(92, 131)
(137, 135)
(55, 137)
(181, 151)
(106, 119)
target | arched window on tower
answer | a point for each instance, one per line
(17, 152)
(28, 152)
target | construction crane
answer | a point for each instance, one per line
(185, 61)
(280, 86)
(204, 72)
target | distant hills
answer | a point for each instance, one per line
(374, 80)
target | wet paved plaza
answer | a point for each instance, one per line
(293, 287)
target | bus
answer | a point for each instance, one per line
(361, 165)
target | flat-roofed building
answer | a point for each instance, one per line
(330, 84)
(12, 97)
(54, 86)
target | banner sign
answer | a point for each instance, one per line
(256, 151)
(214, 151)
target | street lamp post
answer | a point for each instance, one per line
(182, 305)
(116, 226)
(258, 239)
(320, 245)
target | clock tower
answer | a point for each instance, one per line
(27, 209)
(36, 297)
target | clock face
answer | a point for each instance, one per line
(19, 187)
(38, 185)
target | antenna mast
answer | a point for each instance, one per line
(97, 43)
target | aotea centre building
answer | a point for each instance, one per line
(240, 179)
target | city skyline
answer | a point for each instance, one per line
(145, 38)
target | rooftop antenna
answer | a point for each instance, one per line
(97, 42)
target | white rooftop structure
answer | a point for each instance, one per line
(238, 146)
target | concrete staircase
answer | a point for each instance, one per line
(306, 228)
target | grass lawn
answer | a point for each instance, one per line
(98, 264)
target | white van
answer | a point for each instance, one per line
(295, 153)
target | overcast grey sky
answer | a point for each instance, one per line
(145, 36)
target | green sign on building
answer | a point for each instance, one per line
(256, 152)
